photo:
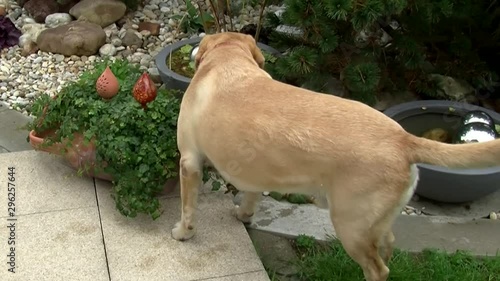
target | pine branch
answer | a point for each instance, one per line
(339, 9)
(362, 77)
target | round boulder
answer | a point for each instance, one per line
(75, 38)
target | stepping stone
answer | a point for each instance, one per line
(66, 227)
(413, 233)
(12, 136)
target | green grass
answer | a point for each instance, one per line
(330, 262)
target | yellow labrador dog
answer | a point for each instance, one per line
(264, 135)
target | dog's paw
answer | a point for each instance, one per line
(181, 233)
(242, 216)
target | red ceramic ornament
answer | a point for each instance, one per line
(107, 85)
(144, 90)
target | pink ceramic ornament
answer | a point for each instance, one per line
(107, 85)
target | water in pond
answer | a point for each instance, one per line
(421, 123)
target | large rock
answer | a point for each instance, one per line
(75, 38)
(451, 88)
(101, 12)
(40, 9)
(130, 38)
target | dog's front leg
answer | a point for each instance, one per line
(245, 211)
(190, 177)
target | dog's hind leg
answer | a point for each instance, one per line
(386, 248)
(388, 239)
(362, 245)
(245, 211)
(190, 178)
(362, 222)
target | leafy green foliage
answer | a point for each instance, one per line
(194, 21)
(180, 61)
(210, 175)
(456, 38)
(294, 198)
(186, 51)
(139, 145)
(305, 242)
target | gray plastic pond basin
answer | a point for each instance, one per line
(438, 183)
(176, 81)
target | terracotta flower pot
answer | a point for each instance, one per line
(79, 155)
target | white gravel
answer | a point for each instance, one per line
(22, 79)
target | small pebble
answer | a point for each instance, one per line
(38, 60)
(493, 216)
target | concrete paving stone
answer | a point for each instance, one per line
(142, 249)
(250, 276)
(43, 183)
(413, 233)
(12, 136)
(3, 149)
(4, 106)
(55, 246)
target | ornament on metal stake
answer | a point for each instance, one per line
(107, 84)
(144, 90)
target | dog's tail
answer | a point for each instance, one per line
(470, 155)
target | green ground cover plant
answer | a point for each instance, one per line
(328, 261)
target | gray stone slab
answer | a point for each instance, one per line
(142, 249)
(413, 233)
(62, 245)
(276, 253)
(472, 210)
(43, 183)
(290, 220)
(12, 136)
(480, 237)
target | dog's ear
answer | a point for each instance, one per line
(255, 50)
(202, 48)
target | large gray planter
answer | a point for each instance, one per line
(438, 183)
(176, 81)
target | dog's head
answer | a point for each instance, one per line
(243, 41)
